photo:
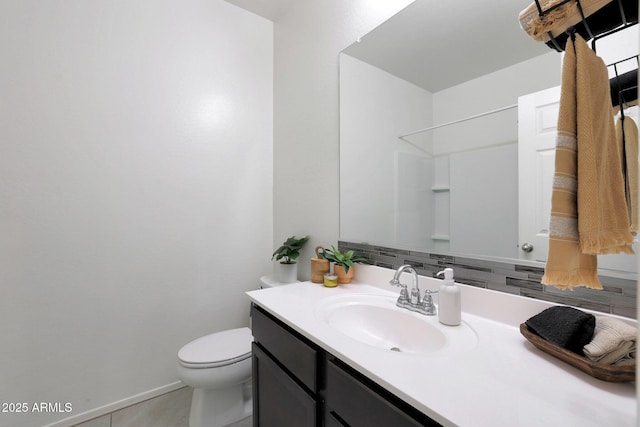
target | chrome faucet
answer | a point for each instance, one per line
(413, 302)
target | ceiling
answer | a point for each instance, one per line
(437, 44)
(269, 9)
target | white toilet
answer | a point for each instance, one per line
(218, 367)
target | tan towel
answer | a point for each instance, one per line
(603, 220)
(587, 186)
(558, 20)
(613, 342)
(629, 140)
(567, 267)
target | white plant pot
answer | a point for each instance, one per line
(287, 273)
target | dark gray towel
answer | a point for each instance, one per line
(567, 327)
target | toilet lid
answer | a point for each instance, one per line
(218, 349)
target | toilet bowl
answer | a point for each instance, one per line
(218, 367)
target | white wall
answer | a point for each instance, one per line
(484, 201)
(492, 91)
(375, 108)
(135, 190)
(307, 41)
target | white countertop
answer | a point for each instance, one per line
(502, 381)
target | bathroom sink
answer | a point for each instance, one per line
(374, 320)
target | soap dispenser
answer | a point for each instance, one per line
(449, 307)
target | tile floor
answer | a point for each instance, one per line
(168, 410)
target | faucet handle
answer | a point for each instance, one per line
(428, 307)
(403, 298)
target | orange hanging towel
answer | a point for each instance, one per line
(588, 207)
(628, 141)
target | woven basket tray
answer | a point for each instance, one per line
(597, 370)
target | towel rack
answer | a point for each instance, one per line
(624, 90)
(615, 16)
(609, 19)
(624, 87)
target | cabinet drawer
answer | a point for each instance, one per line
(357, 404)
(295, 355)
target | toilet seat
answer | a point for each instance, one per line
(217, 349)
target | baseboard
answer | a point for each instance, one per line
(115, 406)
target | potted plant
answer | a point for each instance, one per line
(287, 269)
(344, 263)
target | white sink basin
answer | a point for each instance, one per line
(374, 320)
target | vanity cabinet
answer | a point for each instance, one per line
(296, 383)
(285, 366)
(278, 399)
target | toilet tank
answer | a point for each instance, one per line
(269, 282)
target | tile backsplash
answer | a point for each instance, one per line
(618, 296)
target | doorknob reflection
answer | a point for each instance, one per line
(527, 247)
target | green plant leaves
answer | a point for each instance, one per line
(346, 260)
(290, 250)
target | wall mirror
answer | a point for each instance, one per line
(439, 106)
